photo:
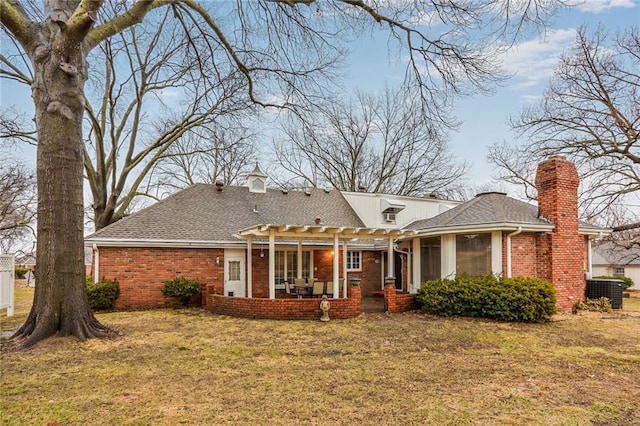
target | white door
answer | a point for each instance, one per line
(234, 273)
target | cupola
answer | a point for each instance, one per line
(257, 180)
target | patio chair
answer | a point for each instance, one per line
(289, 291)
(318, 288)
(329, 291)
(300, 286)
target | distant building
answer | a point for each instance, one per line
(614, 260)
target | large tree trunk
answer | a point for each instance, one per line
(60, 304)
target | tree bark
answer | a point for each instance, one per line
(60, 303)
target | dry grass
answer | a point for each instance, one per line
(190, 367)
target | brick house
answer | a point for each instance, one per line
(244, 242)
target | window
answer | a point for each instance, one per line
(353, 261)
(430, 259)
(234, 270)
(473, 254)
(618, 271)
(286, 266)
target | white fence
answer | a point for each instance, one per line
(7, 283)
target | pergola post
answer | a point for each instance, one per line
(299, 271)
(344, 269)
(390, 269)
(272, 264)
(249, 267)
(336, 266)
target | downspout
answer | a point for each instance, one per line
(96, 263)
(516, 232)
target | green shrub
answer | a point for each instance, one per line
(504, 299)
(627, 282)
(602, 304)
(21, 272)
(102, 295)
(181, 288)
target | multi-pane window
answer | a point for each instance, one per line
(473, 254)
(353, 261)
(286, 266)
(618, 271)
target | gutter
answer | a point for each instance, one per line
(516, 232)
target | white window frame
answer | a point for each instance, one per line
(288, 268)
(350, 261)
(618, 271)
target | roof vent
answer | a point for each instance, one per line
(219, 185)
(327, 190)
(318, 221)
(307, 193)
(285, 191)
(433, 195)
(362, 188)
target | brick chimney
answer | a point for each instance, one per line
(561, 254)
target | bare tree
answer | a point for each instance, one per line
(383, 143)
(15, 128)
(17, 204)
(280, 48)
(591, 114)
(205, 156)
(156, 85)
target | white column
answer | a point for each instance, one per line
(344, 268)
(249, 267)
(416, 263)
(272, 265)
(496, 253)
(448, 263)
(299, 272)
(336, 266)
(390, 271)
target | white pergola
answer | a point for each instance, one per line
(316, 232)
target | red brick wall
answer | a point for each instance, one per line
(141, 272)
(557, 183)
(371, 274)
(523, 255)
(399, 302)
(285, 309)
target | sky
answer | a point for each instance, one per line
(485, 118)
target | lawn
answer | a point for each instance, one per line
(191, 367)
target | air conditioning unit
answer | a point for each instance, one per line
(389, 217)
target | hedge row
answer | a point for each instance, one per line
(506, 299)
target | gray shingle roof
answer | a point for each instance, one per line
(487, 208)
(201, 213)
